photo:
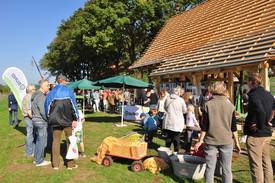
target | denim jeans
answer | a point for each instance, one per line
(15, 118)
(41, 141)
(29, 136)
(225, 156)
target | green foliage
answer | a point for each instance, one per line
(106, 36)
(4, 89)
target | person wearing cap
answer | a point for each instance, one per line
(151, 121)
(61, 109)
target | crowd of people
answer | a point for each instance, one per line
(107, 100)
(110, 100)
(214, 118)
(47, 113)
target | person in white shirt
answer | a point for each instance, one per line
(163, 95)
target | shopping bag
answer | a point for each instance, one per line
(243, 139)
(72, 150)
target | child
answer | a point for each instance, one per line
(151, 123)
(191, 126)
(142, 118)
(79, 133)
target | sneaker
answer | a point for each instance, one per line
(30, 156)
(74, 167)
(44, 163)
(56, 168)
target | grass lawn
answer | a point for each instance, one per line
(14, 167)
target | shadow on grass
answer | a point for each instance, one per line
(21, 130)
(106, 119)
(139, 130)
(236, 181)
(89, 112)
(168, 172)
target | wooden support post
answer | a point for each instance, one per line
(158, 80)
(148, 71)
(241, 90)
(198, 87)
(231, 86)
(196, 80)
(141, 73)
(265, 76)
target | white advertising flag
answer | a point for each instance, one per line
(17, 82)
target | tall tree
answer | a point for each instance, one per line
(106, 36)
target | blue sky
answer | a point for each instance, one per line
(26, 29)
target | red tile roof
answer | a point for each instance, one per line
(216, 33)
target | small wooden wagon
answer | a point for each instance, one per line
(136, 152)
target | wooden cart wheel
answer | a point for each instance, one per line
(107, 161)
(137, 166)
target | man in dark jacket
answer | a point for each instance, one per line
(61, 109)
(13, 110)
(258, 129)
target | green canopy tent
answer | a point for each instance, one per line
(123, 82)
(83, 84)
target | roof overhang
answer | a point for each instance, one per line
(206, 68)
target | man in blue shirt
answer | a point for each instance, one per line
(13, 110)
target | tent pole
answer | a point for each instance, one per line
(83, 108)
(122, 107)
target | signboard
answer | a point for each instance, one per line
(17, 83)
(132, 113)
